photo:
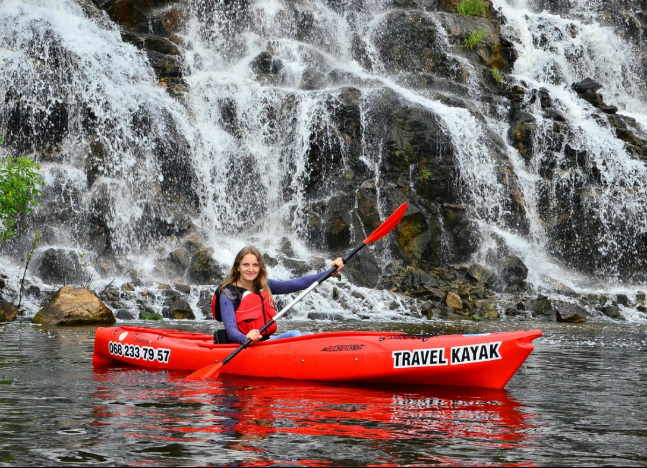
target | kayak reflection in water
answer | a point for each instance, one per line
(246, 302)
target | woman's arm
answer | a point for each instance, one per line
(229, 319)
(298, 284)
(293, 285)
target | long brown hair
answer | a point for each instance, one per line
(260, 282)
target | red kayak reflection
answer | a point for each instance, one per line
(239, 414)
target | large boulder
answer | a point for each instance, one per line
(571, 313)
(203, 269)
(74, 306)
(60, 266)
(481, 273)
(512, 272)
(181, 309)
(8, 311)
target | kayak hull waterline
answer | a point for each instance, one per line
(483, 360)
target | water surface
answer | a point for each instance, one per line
(579, 400)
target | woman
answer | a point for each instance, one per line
(247, 302)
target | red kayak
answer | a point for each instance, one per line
(483, 360)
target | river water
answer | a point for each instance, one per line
(579, 400)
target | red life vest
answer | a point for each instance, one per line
(254, 311)
(250, 312)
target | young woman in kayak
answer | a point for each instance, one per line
(247, 303)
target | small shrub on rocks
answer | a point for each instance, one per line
(473, 39)
(471, 7)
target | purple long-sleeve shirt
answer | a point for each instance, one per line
(276, 286)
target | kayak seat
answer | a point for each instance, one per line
(221, 337)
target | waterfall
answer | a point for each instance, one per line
(254, 146)
(85, 99)
(554, 52)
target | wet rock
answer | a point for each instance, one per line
(412, 235)
(74, 306)
(612, 311)
(449, 313)
(561, 288)
(512, 272)
(181, 309)
(586, 85)
(8, 311)
(540, 306)
(134, 277)
(454, 301)
(622, 299)
(123, 314)
(181, 287)
(110, 293)
(203, 269)
(325, 316)
(481, 273)
(171, 295)
(522, 132)
(59, 266)
(491, 315)
(204, 305)
(265, 63)
(608, 109)
(269, 261)
(406, 41)
(180, 258)
(297, 267)
(571, 313)
(432, 312)
(313, 79)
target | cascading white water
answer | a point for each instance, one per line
(247, 138)
(555, 52)
(55, 56)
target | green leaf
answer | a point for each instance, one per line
(20, 179)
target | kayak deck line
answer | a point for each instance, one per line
(480, 360)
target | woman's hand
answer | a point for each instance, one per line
(339, 263)
(254, 335)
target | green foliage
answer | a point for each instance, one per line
(424, 174)
(473, 39)
(496, 74)
(85, 264)
(472, 7)
(150, 316)
(20, 180)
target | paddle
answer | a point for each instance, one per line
(212, 371)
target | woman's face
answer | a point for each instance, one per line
(249, 267)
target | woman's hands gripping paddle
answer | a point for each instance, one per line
(213, 371)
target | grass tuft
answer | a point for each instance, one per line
(496, 74)
(472, 7)
(473, 39)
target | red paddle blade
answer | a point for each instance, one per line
(388, 225)
(206, 373)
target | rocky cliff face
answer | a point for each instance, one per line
(361, 105)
